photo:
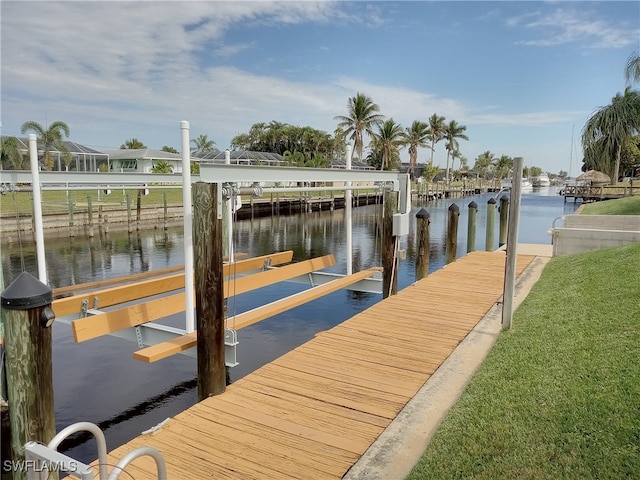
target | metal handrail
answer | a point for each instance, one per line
(139, 452)
(101, 443)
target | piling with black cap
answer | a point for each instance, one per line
(471, 227)
(26, 308)
(423, 222)
(451, 241)
(491, 221)
(504, 218)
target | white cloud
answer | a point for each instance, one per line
(563, 26)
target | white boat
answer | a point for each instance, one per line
(525, 185)
(541, 181)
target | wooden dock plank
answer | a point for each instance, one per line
(312, 412)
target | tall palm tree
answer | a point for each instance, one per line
(132, 144)
(202, 144)
(632, 69)
(452, 133)
(484, 163)
(436, 131)
(606, 131)
(414, 137)
(50, 139)
(502, 167)
(10, 156)
(388, 140)
(360, 119)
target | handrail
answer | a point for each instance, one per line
(101, 443)
(139, 452)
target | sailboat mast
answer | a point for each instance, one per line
(571, 151)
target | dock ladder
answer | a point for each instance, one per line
(41, 460)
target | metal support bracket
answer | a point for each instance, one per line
(230, 344)
(139, 336)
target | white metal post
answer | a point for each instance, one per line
(230, 204)
(37, 209)
(347, 215)
(188, 227)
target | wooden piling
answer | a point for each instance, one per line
(90, 215)
(423, 222)
(451, 241)
(471, 227)
(26, 307)
(504, 216)
(165, 211)
(207, 252)
(138, 209)
(70, 204)
(491, 222)
(129, 227)
(389, 259)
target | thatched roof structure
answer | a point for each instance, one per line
(594, 176)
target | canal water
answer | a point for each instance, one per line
(99, 381)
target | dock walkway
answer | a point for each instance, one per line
(312, 413)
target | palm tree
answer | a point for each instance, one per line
(502, 167)
(162, 166)
(414, 137)
(607, 130)
(167, 148)
(132, 144)
(10, 156)
(361, 118)
(632, 69)
(202, 144)
(436, 131)
(452, 133)
(483, 164)
(388, 140)
(50, 139)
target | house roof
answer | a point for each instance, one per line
(142, 154)
(73, 147)
(217, 156)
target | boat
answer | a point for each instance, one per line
(541, 181)
(525, 185)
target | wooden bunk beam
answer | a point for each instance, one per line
(162, 284)
(179, 344)
(107, 322)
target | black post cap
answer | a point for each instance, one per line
(473, 204)
(492, 201)
(26, 292)
(454, 208)
(423, 213)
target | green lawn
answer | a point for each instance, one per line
(621, 206)
(56, 201)
(559, 394)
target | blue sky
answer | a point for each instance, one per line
(518, 75)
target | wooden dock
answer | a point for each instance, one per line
(312, 413)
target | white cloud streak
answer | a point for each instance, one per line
(563, 26)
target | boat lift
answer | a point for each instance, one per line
(234, 180)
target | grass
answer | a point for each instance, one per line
(559, 394)
(621, 206)
(57, 201)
